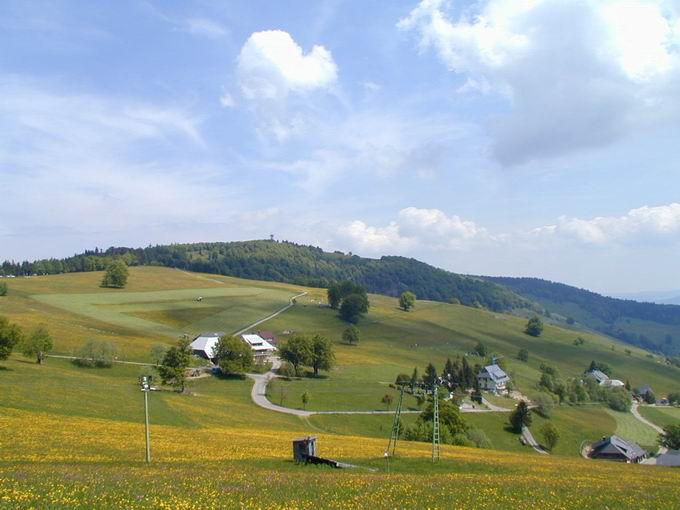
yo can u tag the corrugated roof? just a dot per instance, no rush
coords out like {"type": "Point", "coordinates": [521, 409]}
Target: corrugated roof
{"type": "Point", "coordinates": [496, 373]}
{"type": "Point", "coordinates": [629, 449]}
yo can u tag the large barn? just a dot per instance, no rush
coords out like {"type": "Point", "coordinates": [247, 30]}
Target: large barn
{"type": "Point", "coordinates": [204, 345]}
{"type": "Point", "coordinates": [617, 448]}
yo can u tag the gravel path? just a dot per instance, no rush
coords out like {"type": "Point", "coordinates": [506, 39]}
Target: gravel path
{"type": "Point", "coordinates": [634, 410]}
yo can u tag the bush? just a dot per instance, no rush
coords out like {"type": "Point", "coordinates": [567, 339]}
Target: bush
{"type": "Point", "coordinates": [478, 437]}
{"type": "Point", "coordinates": [619, 400]}
{"type": "Point", "coordinates": [523, 355]}
{"type": "Point", "coordinates": [286, 370]}
{"type": "Point", "coordinates": [95, 354]}
{"type": "Point", "coordinates": [550, 435]}
{"type": "Point", "coordinates": [544, 404]}
{"type": "Point", "coordinates": [534, 327]}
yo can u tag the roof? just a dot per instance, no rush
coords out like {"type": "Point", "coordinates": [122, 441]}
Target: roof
{"type": "Point", "coordinates": [206, 343]}
{"type": "Point", "coordinates": [495, 373]}
{"type": "Point", "coordinates": [257, 343]}
{"type": "Point", "coordinates": [671, 458]}
{"type": "Point", "coordinates": [613, 382]}
{"type": "Point", "coordinates": [597, 374]}
{"type": "Point", "coordinates": [644, 389]}
{"type": "Point", "coordinates": [629, 449]}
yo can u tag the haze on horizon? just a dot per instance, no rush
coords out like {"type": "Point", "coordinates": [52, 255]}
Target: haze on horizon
{"type": "Point", "coordinates": [498, 137]}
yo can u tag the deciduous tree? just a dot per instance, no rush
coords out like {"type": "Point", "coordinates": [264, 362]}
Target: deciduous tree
{"type": "Point", "coordinates": [10, 335]}
{"type": "Point", "coordinates": [297, 351]}
{"type": "Point", "coordinates": [520, 417]}
{"type": "Point", "coordinates": [37, 344]}
{"type": "Point", "coordinates": [534, 327]}
{"type": "Point", "coordinates": [116, 275]}
{"type": "Point", "coordinates": [322, 357]}
{"type": "Point", "coordinates": [407, 300]}
{"type": "Point", "coordinates": [550, 435]}
{"type": "Point", "coordinates": [351, 335]}
{"type": "Point", "coordinates": [174, 365]}
{"type": "Point", "coordinates": [233, 355]}
{"type": "Point", "coordinates": [670, 437]}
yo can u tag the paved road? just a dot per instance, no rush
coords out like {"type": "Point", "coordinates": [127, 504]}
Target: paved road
{"type": "Point", "coordinates": [291, 303]}
{"type": "Point", "coordinates": [636, 413]}
{"type": "Point", "coordinates": [529, 438]}
{"type": "Point", "coordinates": [492, 407]}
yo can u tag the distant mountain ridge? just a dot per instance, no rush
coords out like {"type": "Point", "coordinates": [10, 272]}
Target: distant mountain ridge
{"type": "Point", "coordinates": [650, 325]}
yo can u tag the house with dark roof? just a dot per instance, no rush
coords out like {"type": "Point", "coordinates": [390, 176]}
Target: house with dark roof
{"type": "Point", "coordinates": [492, 378]}
{"type": "Point", "coordinates": [617, 448]}
{"type": "Point", "coordinates": [642, 391]}
{"type": "Point", "coordinates": [598, 375]}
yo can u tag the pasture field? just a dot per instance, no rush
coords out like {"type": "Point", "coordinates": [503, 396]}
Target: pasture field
{"type": "Point", "coordinates": [661, 416]}
{"type": "Point", "coordinates": [73, 437]}
{"type": "Point", "coordinates": [631, 428]}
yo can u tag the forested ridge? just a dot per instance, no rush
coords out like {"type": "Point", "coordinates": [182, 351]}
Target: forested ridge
{"type": "Point", "coordinates": [613, 312]}
{"type": "Point", "coordinates": [293, 263]}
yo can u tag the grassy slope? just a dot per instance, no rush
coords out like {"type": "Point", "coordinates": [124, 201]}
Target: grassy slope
{"type": "Point", "coordinates": [156, 307]}
{"type": "Point", "coordinates": [661, 416]}
{"type": "Point", "coordinates": [81, 430]}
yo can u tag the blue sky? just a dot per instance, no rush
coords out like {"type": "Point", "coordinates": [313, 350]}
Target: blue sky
{"type": "Point", "coordinates": [535, 137]}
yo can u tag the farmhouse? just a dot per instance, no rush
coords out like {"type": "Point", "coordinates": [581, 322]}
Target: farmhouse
{"type": "Point", "coordinates": [492, 378]}
{"type": "Point", "coordinates": [204, 345]}
{"type": "Point", "coordinates": [260, 347]}
{"type": "Point", "coordinates": [613, 383]}
{"type": "Point", "coordinates": [617, 448]}
{"type": "Point", "coordinates": [598, 375]}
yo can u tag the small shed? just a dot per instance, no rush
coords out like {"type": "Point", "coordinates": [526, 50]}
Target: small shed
{"type": "Point", "coordinates": [304, 448]}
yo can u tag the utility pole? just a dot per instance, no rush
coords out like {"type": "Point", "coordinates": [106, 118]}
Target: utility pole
{"type": "Point", "coordinates": [394, 435]}
{"type": "Point", "coordinates": [145, 382]}
{"type": "Point", "coordinates": [436, 441]}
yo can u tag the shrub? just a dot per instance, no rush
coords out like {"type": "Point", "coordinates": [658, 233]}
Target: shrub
{"type": "Point", "coordinates": [95, 354]}
{"type": "Point", "coordinates": [286, 370]}
{"type": "Point", "coordinates": [534, 327]}
{"type": "Point", "coordinates": [619, 400]}
{"type": "Point", "coordinates": [544, 404]}
{"type": "Point", "coordinates": [478, 437]}
{"type": "Point", "coordinates": [550, 435]}
{"type": "Point", "coordinates": [523, 355]}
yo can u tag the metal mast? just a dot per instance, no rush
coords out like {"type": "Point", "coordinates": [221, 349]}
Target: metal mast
{"type": "Point", "coordinates": [436, 441]}
{"type": "Point", "coordinates": [394, 435]}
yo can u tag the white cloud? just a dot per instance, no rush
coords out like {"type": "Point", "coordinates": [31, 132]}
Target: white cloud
{"type": "Point", "coordinates": [227, 100]}
{"type": "Point", "coordinates": [576, 74]}
{"type": "Point", "coordinates": [206, 28]}
{"type": "Point", "coordinates": [271, 65]}
{"type": "Point", "coordinates": [414, 228]}
{"type": "Point", "coordinates": [641, 224]}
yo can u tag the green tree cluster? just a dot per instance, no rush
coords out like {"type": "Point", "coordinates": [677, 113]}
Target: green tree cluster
{"type": "Point", "coordinates": [315, 352]}
{"type": "Point", "coordinates": [233, 355]}
{"type": "Point", "coordinates": [550, 435]}
{"type": "Point", "coordinates": [116, 275]}
{"type": "Point", "coordinates": [351, 299]}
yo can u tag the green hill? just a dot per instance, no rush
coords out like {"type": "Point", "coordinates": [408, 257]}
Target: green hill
{"type": "Point", "coordinates": [648, 325]}
{"type": "Point", "coordinates": [293, 263]}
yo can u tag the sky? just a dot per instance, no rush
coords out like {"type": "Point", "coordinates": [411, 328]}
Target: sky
{"type": "Point", "coordinates": [496, 137]}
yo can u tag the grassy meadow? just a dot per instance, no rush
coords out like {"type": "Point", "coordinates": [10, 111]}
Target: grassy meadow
{"type": "Point", "coordinates": [73, 437]}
